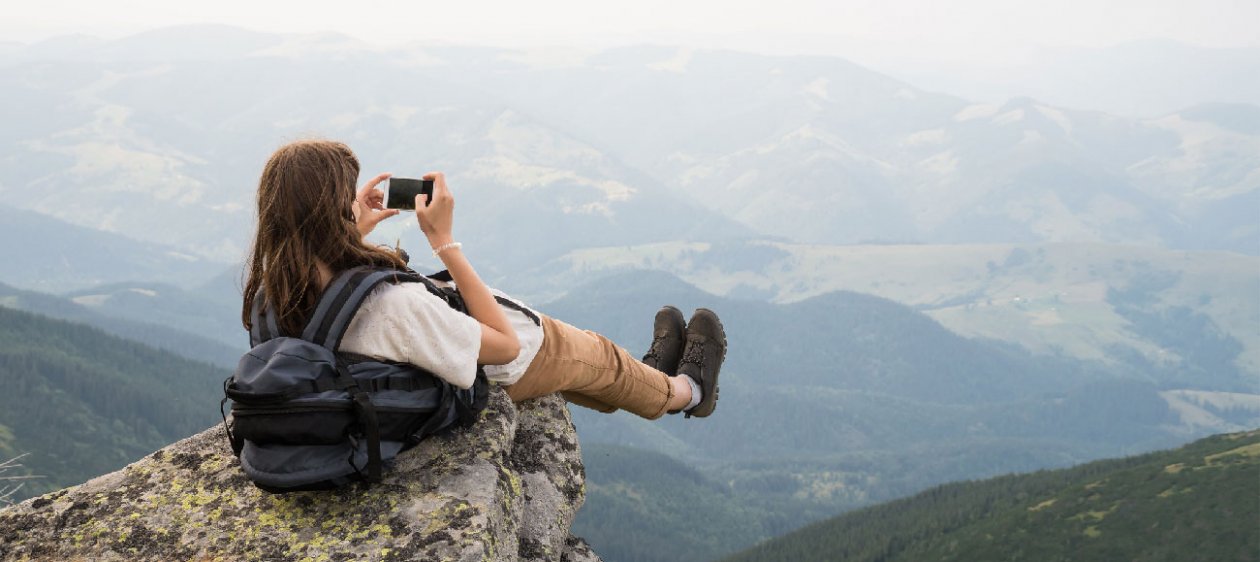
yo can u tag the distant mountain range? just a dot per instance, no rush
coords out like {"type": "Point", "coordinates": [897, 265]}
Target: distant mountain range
{"type": "Point", "coordinates": [42, 253]}
{"type": "Point", "coordinates": [820, 150]}
{"type": "Point", "coordinates": [1183, 318]}
{"type": "Point", "coordinates": [1197, 502]}
{"type": "Point", "coordinates": [1146, 78]}
{"type": "Point", "coordinates": [160, 137]}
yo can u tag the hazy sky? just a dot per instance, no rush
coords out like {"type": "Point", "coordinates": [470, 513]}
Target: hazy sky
{"type": "Point", "coordinates": [976, 30]}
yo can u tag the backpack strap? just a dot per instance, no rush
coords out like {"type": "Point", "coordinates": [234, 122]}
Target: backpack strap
{"type": "Point", "coordinates": [509, 303]}
{"type": "Point", "coordinates": [438, 418]}
{"type": "Point", "coordinates": [365, 411]}
{"type": "Point", "coordinates": [445, 277]}
{"type": "Point", "coordinates": [236, 442]}
{"type": "Point", "coordinates": [262, 321]}
{"type": "Point", "coordinates": [336, 308]}
{"type": "Point", "coordinates": [341, 300]}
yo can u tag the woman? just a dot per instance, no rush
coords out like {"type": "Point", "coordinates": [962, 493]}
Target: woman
{"type": "Point", "coordinates": [311, 224]}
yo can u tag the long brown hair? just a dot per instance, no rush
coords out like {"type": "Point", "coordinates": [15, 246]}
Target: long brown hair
{"type": "Point", "coordinates": [305, 200]}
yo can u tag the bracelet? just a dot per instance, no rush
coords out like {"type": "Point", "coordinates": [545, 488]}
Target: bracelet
{"type": "Point", "coordinates": [445, 247]}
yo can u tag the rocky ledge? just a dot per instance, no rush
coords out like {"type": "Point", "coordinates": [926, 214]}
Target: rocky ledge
{"type": "Point", "coordinates": [505, 489]}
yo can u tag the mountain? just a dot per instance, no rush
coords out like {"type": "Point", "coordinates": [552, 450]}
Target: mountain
{"type": "Point", "coordinates": [824, 151]}
{"type": "Point", "coordinates": [842, 400]}
{"type": "Point", "coordinates": [185, 310]}
{"type": "Point", "coordinates": [880, 373]}
{"type": "Point", "coordinates": [81, 402]}
{"type": "Point", "coordinates": [1192, 503]}
{"type": "Point", "coordinates": [1184, 319]}
{"type": "Point", "coordinates": [182, 142]}
{"type": "Point", "coordinates": [160, 331]}
{"type": "Point", "coordinates": [49, 255]}
{"type": "Point", "coordinates": [161, 138]}
{"type": "Point", "coordinates": [1139, 79]}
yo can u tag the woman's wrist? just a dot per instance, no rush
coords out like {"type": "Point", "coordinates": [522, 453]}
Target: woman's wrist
{"type": "Point", "coordinates": [449, 246]}
{"type": "Point", "coordinates": [437, 241]}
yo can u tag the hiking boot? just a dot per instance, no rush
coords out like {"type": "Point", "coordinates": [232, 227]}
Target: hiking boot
{"type": "Point", "coordinates": [702, 358]}
{"type": "Point", "coordinates": [668, 333]}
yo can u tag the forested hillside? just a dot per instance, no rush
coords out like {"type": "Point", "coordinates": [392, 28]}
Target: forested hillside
{"type": "Point", "coordinates": [642, 506]}
{"type": "Point", "coordinates": [80, 402]}
{"type": "Point", "coordinates": [1198, 502]}
{"type": "Point", "coordinates": [831, 404]}
{"type": "Point", "coordinates": [142, 317]}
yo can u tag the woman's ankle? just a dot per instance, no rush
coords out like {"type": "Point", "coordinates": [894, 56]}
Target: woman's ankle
{"type": "Point", "coordinates": [681, 395]}
{"type": "Point", "coordinates": [686, 393]}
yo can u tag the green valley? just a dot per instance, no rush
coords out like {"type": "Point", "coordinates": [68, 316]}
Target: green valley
{"type": "Point", "coordinates": [1198, 502]}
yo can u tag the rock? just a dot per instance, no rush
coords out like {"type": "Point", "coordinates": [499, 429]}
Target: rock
{"type": "Point", "coordinates": [505, 489]}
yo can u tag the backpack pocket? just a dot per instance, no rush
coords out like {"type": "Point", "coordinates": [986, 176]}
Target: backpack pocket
{"type": "Point", "coordinates": [405, 398]}
{"type": "Point", "coordinates": [285, 391]}
{"type": "Point", "coordinates": [320, 420]}
{"type": "Point", "coordinates": [283, 410]}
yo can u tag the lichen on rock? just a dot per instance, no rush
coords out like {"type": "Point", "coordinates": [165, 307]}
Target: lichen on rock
{"type": "Point", "coordinates": [505, 489]}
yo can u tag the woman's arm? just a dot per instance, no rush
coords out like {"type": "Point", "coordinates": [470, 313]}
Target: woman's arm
{"type": "Point", "coordinates": [499, 344]}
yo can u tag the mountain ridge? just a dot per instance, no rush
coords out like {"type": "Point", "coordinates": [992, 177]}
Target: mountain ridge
{"type": "Point", "coordinates": [1104, 510]}
{"type": "Point", "coordinates": [1069, 299]}
{"type": "Point", "coordinates": [47, 254]}
{"type": "Point", "coordinates": [816, 134]}
{"type": "Point", "coordinates": [185, 342]}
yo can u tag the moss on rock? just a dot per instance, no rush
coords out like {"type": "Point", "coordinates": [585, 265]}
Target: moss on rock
{"type": "Point", "coordinates": [505, 489]}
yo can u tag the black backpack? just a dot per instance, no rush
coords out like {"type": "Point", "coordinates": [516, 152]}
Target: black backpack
{"type": "Point", "coordinates": [308, 417]}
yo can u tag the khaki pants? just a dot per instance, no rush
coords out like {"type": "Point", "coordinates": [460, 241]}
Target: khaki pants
{"type": "Point", "coordinates": [590, 370]}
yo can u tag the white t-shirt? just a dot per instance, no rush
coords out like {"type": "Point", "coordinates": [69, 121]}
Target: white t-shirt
{"type": "Point", "coordinates": [408, 324]}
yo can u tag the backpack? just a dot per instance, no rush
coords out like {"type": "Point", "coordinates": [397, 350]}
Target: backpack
{"type": "Point", "coordinates": [306, 416]}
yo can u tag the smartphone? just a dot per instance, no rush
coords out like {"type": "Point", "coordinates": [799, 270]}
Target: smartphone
{"type": "Point", "coordinates": [401, 193]}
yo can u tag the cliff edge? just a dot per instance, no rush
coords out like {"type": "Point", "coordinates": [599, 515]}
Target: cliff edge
{"type": "Point", "coordinates": [505, 489]}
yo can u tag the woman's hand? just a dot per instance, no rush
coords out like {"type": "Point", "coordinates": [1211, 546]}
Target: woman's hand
{"type": "Point", "coordinates": [438, 215]}
{"type": "Point", "coordinates": [370, 206]}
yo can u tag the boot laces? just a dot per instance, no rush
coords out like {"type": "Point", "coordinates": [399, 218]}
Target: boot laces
{"type": "Point", "coordinates": [654, 351]}
{"type": "Point", "coordinates": [693, 353]}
